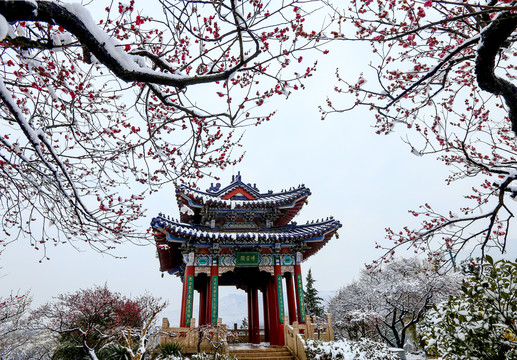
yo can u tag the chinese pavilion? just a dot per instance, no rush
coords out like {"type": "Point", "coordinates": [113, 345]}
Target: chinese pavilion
{"type": "Point", "coordinates": [240, 237]}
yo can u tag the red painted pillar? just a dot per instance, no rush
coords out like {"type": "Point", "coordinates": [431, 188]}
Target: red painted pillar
{"type": "Point", "coordinates": [207, 300]}
{"type": "Point", "coordinates": [255, 329]}
{"type": "Point", "coordinates": [280, 301]}
{"type": "Point", "coordinates": [202, 305]}
{"type": "Point", "coordinates": [183, 300]}
{"type": "Point", "coordinates": [213, 300]}
{"type": "Point", "coordinates": [289, 287]}
{"type": "Point", "coordinates": [272, 311]}
{"type": "Point", "coordinates": [250, 316]}
{"type": "Point", "coordinates": [266, 314]}
{"type": "Point", "coordinates": [188, 293]}
{"type": "Point", "coordinates": [299, 289]}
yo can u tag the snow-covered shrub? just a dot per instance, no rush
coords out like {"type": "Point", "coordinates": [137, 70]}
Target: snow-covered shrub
{"type": "Point", "coordinates": [167, 351]}
{"type": "Point", "coordinates": [174, 357]}
{"type": "Point", "coordinates": [481, 323]}
{"type": "Point", "coordinates": [348, 350]}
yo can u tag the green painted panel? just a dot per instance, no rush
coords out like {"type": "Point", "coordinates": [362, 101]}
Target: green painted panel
{"type": "Point", "coordinates": [215, 297]}
{"type": "Point", "coordinates": [299, 284]}
{"type": "Point", "coordinates": [247, 259]}
{"type": "Point", "coordinates": [280, 293]}
{"type": "Point", "coordinates": [190, 299]}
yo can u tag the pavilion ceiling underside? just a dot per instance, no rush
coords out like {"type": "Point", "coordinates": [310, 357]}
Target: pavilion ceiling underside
{"type": "Point", "coordinates": [179, 232]}
{"type": "Point", "coordinates": [169, 255]}
{"type": "Point", "coordinates": [289, 213]}
{"type": "Point", "coordinates": [314, 247]}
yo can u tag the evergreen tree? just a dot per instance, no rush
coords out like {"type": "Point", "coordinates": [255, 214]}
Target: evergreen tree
{"type": "Point", "coordinates": [313, 302]}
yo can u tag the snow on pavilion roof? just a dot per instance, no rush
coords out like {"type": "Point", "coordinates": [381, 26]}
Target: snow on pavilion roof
{"type": "Point", "coordinates": [172, 235]}
{"type": "Point", "coordinates": [239, 195]}
{"type": "Point", "coordinates": [238, 217]}
{"type": "Point", "coordinates": [238, 200]}
{"type": "Point", "coordinates": [179, 232]}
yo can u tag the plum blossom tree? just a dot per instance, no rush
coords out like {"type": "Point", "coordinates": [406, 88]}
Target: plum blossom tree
{"type": "Point", "coordinates": [88, 321]}
{"type": "Point", "coordinates": [140, 341]}
{"type": "Point", "coordinates": [385, 305]}
{"type": "Point", "coordinates": [445, 71]}
{"type": "Point", "coordinates": [93, 103]}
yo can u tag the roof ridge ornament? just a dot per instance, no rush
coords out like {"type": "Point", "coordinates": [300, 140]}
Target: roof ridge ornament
{"type": "Point", "coordinates": [237, 178]}
{"type": "Point", "coordinates": [214, 189]}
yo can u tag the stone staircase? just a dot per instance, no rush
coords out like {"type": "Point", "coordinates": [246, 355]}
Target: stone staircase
{"type": "Point", "coordinates": [262, 353]}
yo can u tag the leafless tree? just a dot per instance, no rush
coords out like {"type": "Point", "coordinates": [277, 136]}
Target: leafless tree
{"type": "Point", "coordinates": [385, 305]}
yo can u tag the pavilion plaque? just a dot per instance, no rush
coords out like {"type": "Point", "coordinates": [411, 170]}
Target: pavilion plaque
{"type": "Point", "coordinates": [247, 259]}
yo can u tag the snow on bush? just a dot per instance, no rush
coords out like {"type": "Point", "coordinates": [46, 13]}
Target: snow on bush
{"type": "Point", "coordinates": [480, 324]}
{"type": "Point", "coordinates": [349, 350]}
{"type": "Point", "coordinates": [202, 356]}
{"type": "Point", "coordinates": [205, 356]}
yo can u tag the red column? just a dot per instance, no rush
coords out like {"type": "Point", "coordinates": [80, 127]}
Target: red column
{"type": "Point", "coordinates": [207, 300]}
{"type": "Point", "coordinates": [299, 289]}
{"type": "Point", "coordinates": [266, 314]}
{"type": "Point", "coordinates": [188, 293]}
{"type": "Point", "coordinates": [280, 301]}
{"type": "Point", "coordinates": [202, 305]}
{"type": "Point", "coordinates": [183, 300]}
{"type": "Point", "coordinates": [272, 311]}
{"type": "Point", "coordinates": [255, 328]}
{"type": "Point", "coordinates": [250, 316]}
{"type": "Point", "coordinates": [289, 287]}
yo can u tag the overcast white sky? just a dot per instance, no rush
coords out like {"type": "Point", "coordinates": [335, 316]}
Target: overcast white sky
{"type": "Point", "coordinates": [366, 181]}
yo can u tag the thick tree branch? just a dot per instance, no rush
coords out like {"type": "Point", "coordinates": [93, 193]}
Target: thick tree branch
{"type": "Point", "coordinates": [493, 39]}
{"type": "Point", "coordinates": [99, 44]}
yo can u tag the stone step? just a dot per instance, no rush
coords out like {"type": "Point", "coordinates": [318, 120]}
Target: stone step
{"type": "Point", "coordinates": [269, 353]}
{"type": "Point", "coordinates": [268, 350]}
{"type": "Point", "coordinates": [262, 356]}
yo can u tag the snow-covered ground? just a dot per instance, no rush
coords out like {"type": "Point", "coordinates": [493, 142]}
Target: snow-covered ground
{"type": "Point", "coordinates": [416, 357]}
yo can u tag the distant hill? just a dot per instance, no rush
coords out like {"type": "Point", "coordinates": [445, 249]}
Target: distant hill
{"type": "Point", "coordinates": [234, 307]}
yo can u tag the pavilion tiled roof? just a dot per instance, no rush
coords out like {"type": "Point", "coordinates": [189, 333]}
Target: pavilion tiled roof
{"type": "Point", "coordinates": [291, 233]}
{"type": "Point", "coordinates": [238, 216]}
{"type": "Point", "coordinates": [170, 235]}
{"type": "Point", "coordinates": [239, 195]}
{"type": "Point", "coordinates": [268, 199]}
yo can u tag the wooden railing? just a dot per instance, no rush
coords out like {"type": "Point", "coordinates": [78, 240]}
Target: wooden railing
{"type": "Point", "coordinates": [294, 340]}
{"type": "Point", "coordinates": [242, 335]}
{"type": "Point", "coordinates": [297, 334]}
{"type": "Point", "coordinates": [318, 330]}
{"type": "Point", "coordinates": [189, 337]}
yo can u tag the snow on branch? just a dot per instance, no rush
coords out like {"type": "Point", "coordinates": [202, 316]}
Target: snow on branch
{"type": "Point", "coordinates": [78, 21]}
{"type": "Point", "coordinates": [98, 114]}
